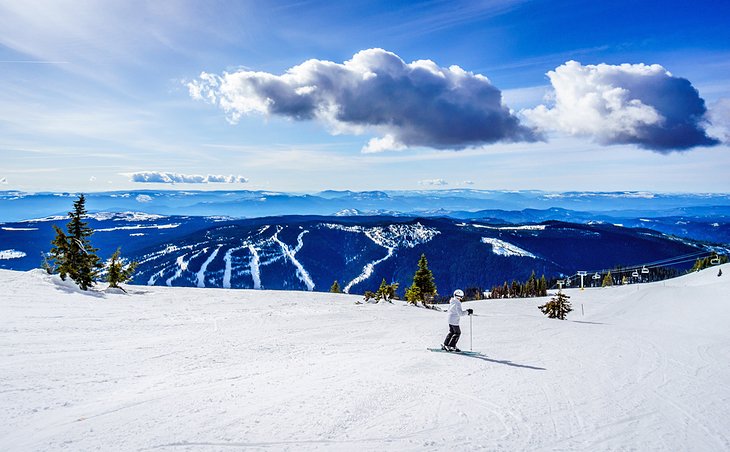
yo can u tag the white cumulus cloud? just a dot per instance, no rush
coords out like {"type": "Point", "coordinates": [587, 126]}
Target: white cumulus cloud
{"type": "Point", "coordinates": [407, 104]}
{"type": "Point", "coordinates": [143, 198]}
{"type": "Point", "coordinates": [433, 182]}
{"type": "Point", "coordinates": [176, 178]}
{"type": "Point", "coordinates": [719, 118]}
{"type": "Point", "coordinates": [620, 104]}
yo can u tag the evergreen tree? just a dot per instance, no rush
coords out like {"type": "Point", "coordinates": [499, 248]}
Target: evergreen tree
{"type": "Point", "coordinates": [369, 295]}
{"type": "Point", "coordinates": [118, 271]}
{"type": "Point", "coordinates": [607, 280]}
{"type": "Point", "coordinates": [413, 295]}
{"type": "Point", "coordinates": [424, 282]}
{"type": "Point", "coordinates": [529, 286]}
{"type": "Point", "coordinates": [558, 307]}
{"type": "Point", "coordinates": [542, 286]}
{"type": "Point", "coordinates": [386, 291]}
{"type": "Point", "coordinates": [72, 253]}
{"type": "Point", "coordinates": [335, 287]}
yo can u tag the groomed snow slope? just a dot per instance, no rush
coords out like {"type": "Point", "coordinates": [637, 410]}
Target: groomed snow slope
{"type": "Point", "coordinates": [646, 368]}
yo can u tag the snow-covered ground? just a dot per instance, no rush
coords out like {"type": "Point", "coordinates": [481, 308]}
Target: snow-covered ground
{"type": "Point", "coordinates": [646, 368]}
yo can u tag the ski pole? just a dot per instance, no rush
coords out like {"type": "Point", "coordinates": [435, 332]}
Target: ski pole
{"type": "Point", "coordinates": [471, 339]}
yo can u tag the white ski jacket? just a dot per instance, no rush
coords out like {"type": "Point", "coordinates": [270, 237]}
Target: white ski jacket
{"type": "Point", "coordinates": [455, 311]}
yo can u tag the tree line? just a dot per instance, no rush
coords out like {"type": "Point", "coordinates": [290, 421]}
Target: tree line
{"type": "Point", "coordinates": [533, 287]}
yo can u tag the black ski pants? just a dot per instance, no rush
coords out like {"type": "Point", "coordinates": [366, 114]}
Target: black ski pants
{"type": "Point", "coordinates": [453, 337]}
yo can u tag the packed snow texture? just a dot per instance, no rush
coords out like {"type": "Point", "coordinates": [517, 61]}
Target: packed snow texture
{"type": "Point", "coordinates": [646, 368]}
{"type": "Point", "coordinates": [506, 249]}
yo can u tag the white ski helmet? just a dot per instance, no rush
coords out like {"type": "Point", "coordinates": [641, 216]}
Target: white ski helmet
{"type": "Point", "coordinates": [459, 293]}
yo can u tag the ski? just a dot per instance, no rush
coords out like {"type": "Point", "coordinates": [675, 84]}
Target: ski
{"type": "Point", "coordinates": [467, 353]}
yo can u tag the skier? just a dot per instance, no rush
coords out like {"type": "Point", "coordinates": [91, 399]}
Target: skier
{"type": "Point", "coordinates": [455, 312]}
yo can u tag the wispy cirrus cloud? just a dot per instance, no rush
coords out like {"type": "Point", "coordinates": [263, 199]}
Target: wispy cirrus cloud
{"type": "Point", "coordinates": [407, 104]}
{"type": "Point", "coordinates": [159, 177]}
{"type": "Point", "coordinates": [636, 104]}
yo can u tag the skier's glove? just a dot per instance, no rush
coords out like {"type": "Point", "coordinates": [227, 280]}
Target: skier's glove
{"type": "Point", "coordinates": [470, 311]}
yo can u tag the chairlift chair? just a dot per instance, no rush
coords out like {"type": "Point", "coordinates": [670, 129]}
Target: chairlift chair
{"type": "Point", "coordinates": [644, 270]}
{"type": "Point", "coordinates": [596, 276]}
{"type": "Point", "coordinates": [715, 260]}
{"type": "Point", "coordinates": [635, 274]}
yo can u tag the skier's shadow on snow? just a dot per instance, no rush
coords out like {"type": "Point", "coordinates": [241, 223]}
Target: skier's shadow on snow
{"type": "Point", "coordinates": [505, 362]}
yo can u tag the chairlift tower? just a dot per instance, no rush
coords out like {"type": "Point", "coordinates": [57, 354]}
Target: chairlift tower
{"type": "Point", "coordinates": [582, 274]}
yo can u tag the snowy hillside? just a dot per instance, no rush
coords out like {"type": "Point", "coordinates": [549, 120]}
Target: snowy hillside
{"type": "Point", "coordinates": [309, 253]}
{"type": "Point", "coordinates": [646, 368]}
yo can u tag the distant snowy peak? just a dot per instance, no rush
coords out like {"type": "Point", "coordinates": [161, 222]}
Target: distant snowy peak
{"type": "Point", "coordinates": [348, 213]}
{"type": "Point", "coordinates": [104, 216]}
{"type": "Point", "coordinates": [125, 216]}
{"type": "Point", "coordinates": [618, 194]}
{"type": "Point", "coordinates": [525, 227]}
{"type": "Point", "coordinates": [393, 235]}
{"type": "Point", "coordinates": [503, 248]}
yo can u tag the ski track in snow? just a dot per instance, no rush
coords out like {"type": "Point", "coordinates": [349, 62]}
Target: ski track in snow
{"type": "Point", "coordinates": [155, 276]}
{"type": "Point", "coordinates": [255, 267]}
{"type": "Point", "coordinates": [204, 267]}
{"type": "Point", "coordinates": [302, 274]}
{"type": "Point", "coordinates": [367, 271]}
{"type": "Point", "coordinates": [300, 242]}
{"type": "Point", "coordinates": [229, 270]}
{"type": "Point", "coordinates": [182, 266]}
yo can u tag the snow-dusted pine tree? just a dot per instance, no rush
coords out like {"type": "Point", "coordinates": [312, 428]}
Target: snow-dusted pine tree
{"type": "Point", "coordinates": [558, 306]}
{"type": "Point", "coordinates": [119, 271]}
{"type": "Point", "coordinates": [424, 283]}
{"type": "Point", "coordinates": [72, 253]}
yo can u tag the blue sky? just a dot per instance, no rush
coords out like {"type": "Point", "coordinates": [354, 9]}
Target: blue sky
{"type": "Point", "coordinates": [107, 95]}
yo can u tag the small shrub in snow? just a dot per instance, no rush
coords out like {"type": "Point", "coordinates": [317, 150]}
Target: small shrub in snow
{"type": "Point", "coordinates": [335, 287]}
{"type": "Point", "coordinates": [386, 292]}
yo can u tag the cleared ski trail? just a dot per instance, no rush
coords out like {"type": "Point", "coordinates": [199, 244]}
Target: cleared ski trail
{"type": "Point", "coordinates": [211, 369]}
